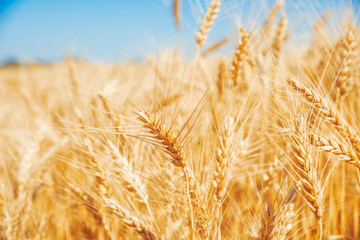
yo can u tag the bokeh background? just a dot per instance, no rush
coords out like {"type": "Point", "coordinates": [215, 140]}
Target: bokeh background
{"type": "Point", "coordinates": [113, 31]}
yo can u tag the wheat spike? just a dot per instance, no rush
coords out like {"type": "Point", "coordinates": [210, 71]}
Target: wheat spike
{"type": "Point", "coordinates": [131, 180]}
{"type": "Point", "coordinates": [131, 221]}
{"type": "Point", "coordinates": [240, 56]}
{"type": "Point", "coordinates": [271, 16]}
{"type": "Point", "coordinates": [284, 221]}
{"type": "Point", "coordinates": [224, 158]}
{"type": "Point", "coordinates": [177, 13]}
{"type": "Point", "coordinates": [279, 38]}
{"type": "Point", "coordinates": [347, 55]}
{"type": "Point", "coordinates": [328, 112]}
{"type": "Point", "coordinates": [335, 147]}
{"type": "Point", "coordinates": [88, 200]}
{"type": "Point", "coordinates": [268, 224]}
{"type": "Point", "coordinates": [310, 184]}
{"type": "Point", "coordinates": [104, 191]}
{"type": "Point", "coordinates": [171, 144]}
{"type": "Point", "coordinates": [207, 22]}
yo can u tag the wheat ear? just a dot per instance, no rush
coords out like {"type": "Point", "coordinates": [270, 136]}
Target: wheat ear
{"type": "Point", "coordinates": [88, 200]}
{"type": "Point", "coordinates": [276, 224]}
{"type": "Point", "coordinates": [279, 38]}
{"type": "Point", "coordinates": [224, 158]}
{"type": "Point", "coordinates": [271, 16]}
{"type": "Point", "coordinates": [131, 221]}
{"type": "Point", "coordinates": [240, 56]}
{"type": "Point", "coordinates": [309, 182]}
{"type": "Point", "coordinates": [328, 112]}
{"type": "Point", "coordinates": [125, 216]}
{"type": "Point", "coordinates": [171, 144]}
{"type": "Point", "coordinates": [348, 56]}
{"type": "Point", "coordinates": [131, 181]}
{"type": "Point", "coordinates": [336, 148]}
{"type": "Point", "coordinates": [206, 23]}
{"type": "Point", "coordinates": [284, 221]}
{"type": "Point", "coordinates": [268, 224]}
{"type": "Point", "coordinates": [177, 13]}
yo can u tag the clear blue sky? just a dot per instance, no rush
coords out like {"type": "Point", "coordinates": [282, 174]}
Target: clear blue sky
{"type": "Point", "coordinates": [111, 30]}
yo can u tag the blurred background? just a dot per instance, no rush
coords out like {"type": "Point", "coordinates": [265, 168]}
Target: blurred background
{"type": "Point", "coordinates": [113, 31]}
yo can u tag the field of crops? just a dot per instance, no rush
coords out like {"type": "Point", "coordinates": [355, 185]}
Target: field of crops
{"type": "Point", "coordinates": [263, 143]}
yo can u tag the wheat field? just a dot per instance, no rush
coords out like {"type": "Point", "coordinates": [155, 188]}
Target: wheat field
{"type": "Point", "coordinates": [262, 143]}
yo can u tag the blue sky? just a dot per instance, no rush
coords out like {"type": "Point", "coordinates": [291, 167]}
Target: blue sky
{"type": "Point", "coordinates": [110, 30]}
{"type": "Point", "coordinates": [94, 29]}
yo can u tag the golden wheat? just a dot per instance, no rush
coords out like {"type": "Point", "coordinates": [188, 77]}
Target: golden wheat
{"type": "Point", "coordinates": [252, 152]}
